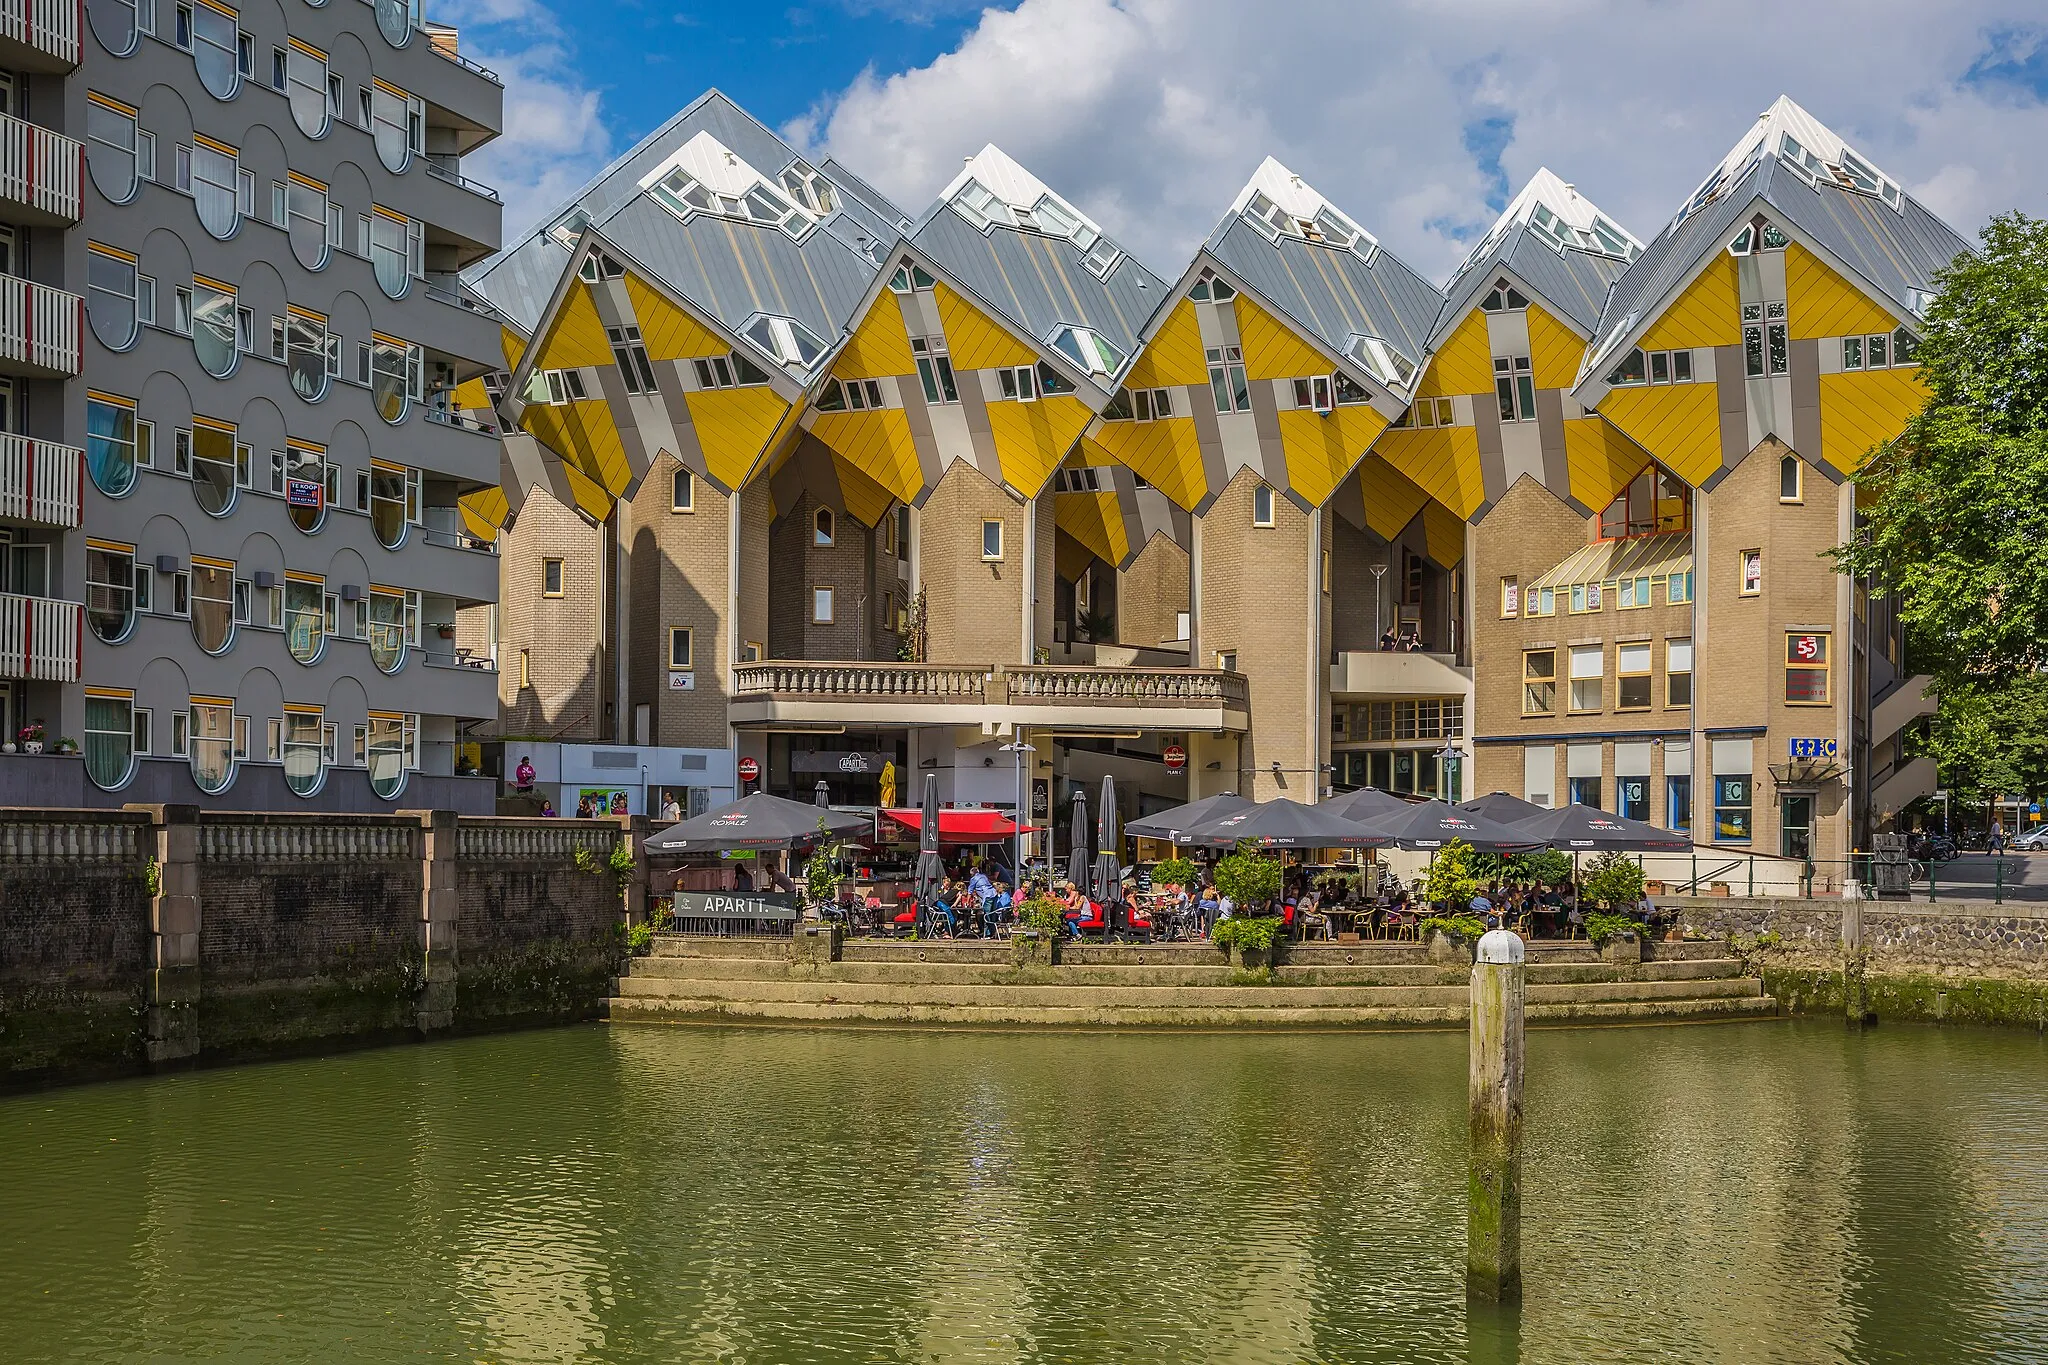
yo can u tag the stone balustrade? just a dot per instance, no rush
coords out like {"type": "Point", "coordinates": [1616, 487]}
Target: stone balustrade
{"type": "Point", "coordinates": [1037, 685]}
{"type": "Point", "coordinates": [331, 839]}
{"type": "Point", "coordinates": [1066, 686]}
{"type": "Point", "coordinates": [907, 682]}
{"type": "Point", "coordinates": [516, 840]}
{"type": "Point", "coordinates": [72, 837]}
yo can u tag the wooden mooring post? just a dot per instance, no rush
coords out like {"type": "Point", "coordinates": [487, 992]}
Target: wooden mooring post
{"type": "Point", "coordinates": [1855, 958]}
{"type": "Point", "coordinates": [1493, 1218]}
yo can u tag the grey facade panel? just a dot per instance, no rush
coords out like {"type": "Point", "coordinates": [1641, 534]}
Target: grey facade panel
{"type": "Point", "coordinates": [1333, 294]}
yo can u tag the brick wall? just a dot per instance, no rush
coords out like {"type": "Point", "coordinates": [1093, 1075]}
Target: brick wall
{"type": "Point", "coordinates": [558, 635]}
{"type": "Point", "coordinates": [974, 607]}
{"type": "Point", "coordinates": [1254, 603]}
{"type": "Point", "coordinates": [535, 930]}
{"type": "Point", "coordinates": [1152, 593]}
{"type": "Point", "coordinates": [681, 571]}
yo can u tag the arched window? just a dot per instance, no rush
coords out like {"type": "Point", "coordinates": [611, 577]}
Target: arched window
{"type": "Point", "coordinates": [1791, 480]}
{"type": "Point", "coordinates": [109, 738]}
{"type": "Point", "coordinates": [109, 591]}
{"type": "Point", "coordinates": [821, 527]}
{"type": "Point", "coordinates": [305, 755]}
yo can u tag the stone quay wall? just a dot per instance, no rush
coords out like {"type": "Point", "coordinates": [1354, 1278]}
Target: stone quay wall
{"type": "Point", "coordinates": [1944, 961]}
{"type": "Point", "coordinates": [158, 935]}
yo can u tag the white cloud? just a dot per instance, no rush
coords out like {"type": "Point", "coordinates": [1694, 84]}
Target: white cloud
{"type": "Point", "coordinates": [1150, 114]}
{"type": "Point", "coordinates": [555, 136]}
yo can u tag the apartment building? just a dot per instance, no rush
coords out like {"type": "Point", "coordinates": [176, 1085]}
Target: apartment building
{"type": "Point", "coordinates": [230, 469]}
{"type": "Point", "coordinates": [857, 495]}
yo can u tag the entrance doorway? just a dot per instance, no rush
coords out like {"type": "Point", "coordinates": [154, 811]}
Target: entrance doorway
{"type": "Point", "coordinates": [1795, 825]}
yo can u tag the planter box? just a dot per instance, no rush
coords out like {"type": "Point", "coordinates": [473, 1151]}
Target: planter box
{"type": "Point", "coordinates": [1447, 951]}
{"type": "Point", "coordinates": [1653, 888]}
{"type": "Point", "coordinates": [1031, 948]}
{"type": "Point", "coordinates": [1254, 959]}
{"type": "Point", "coordinates": [1622, 950]}
{"type": "Point", "coordinates": [1717, 888]}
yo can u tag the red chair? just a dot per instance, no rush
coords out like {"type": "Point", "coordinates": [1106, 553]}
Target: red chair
{"type": "Point", "coordinates": [906, 919]}
{"type": "Point", "coordinates": [1138, 925]}
{"type": "Point", "coordinates": [1095, 924]}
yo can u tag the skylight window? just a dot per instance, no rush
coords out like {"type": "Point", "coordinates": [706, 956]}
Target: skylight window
{"type": "Point", "coordinates": [569, 227]}
{"type": "Point", "coordinates": [981, 206]}
{"type": "Point", "coordinates": [788, 340]}
{"type": "Point", "coordinates": [1385, 363]}
{"type": "Point", "coordinates": [1103, 258]}
{"type": "Point", "coordinates": [1087, 350]}
{"type": "Point", "coordinates": [806, 187]}
{"type": "Point", "coordinates": [1056, 218]}
{"type": "Point", "coordinates": [1852, 172]}
{"type": "Point", "coordinates": [1269, 218]}
{"type": "Point", "coordinates": [683, 195]}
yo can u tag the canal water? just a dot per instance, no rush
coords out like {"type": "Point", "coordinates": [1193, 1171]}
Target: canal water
{"type": "Point", "coordinates": [1754, 1192]}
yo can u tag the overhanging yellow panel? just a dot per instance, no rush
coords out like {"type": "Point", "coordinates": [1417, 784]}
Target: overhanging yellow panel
{"type": "Point", "coordinates": [1096, 521]}
{"type": "Point", "coordinates": [1070, 557]}
{"type": "Point", "coordinates": [1707, 313]}
{"type": "Point", "coordinates": [1032, 438]}
{"type": "Point", "coordinates": [1859, 412]}
{"type": "Point", "coordinates": [865, 500]}
{"type": "Point", "coordinates": [1391, 497]}
{"type": "Point", "coordinates": [1679, 424]}
{"type": "Point", "coordinates": [668, 331]}
{"type": "Point", "coordinates": [1554, 350]}
{"type": "Point", "coordinates": [575, 337]}
{"type": "Point", "coordinates": [974, 342]}
{"type": "Point", "coordinates": [879, 347]}
{"type": "Point", "coordinates": [1820, 303]}
{"type": "Point", "coordinates": [1174, 354]}
{"type": "Point", "coordinates": [586, 438]}
{"type": "Point", "coordinates": [733, 427]}
{"type": "Point", "coordinates": [1464, 363]}
{"type": "Point", "coordinates": [1443, 462]}
{"type": "Point", "coordinates": [1599, 460]}
{"type": "Point", "coordinates": [513, 345]}
{"type": "Point", "coordinates": [470, 396]}
{"type": "Point", "coordinates": [1167, 455]}
{"type": "Point", "coordinates": [1443, 534]}
{"type": "Point", "coordinates": [878, 444]}
{"type": "Point", "coordinates": [585, 494]}
{"type": "Point", "coordinates": [1273, 350]}
{"type": "Point", "coordinates": [1322, 448]}
{"type": "Point", "coordinates": [483, 512]}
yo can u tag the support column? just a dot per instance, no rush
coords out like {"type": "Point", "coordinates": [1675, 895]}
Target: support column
{"type": "Point", "coordinates": [1855, 958]}
{"type": "Point", "coordinates": [1493, 1219]}
{"type": "Point", "coordinates": [440, 907]}
{"type": "Point", "coordinates": [174, 919]}
{"type": "Point", "coordinates": [635, 890]}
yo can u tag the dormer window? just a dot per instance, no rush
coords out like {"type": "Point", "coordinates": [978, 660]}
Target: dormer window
{"type": "Point", "coordinates": [981, 206]}
{"type": "Point", "coordinates": [1211, 286]}
{"type": "Point", "coordinates": [788, 340]}
{"type": "Point", "coordinates": [911, 279]}
{"type": "Point", "coordinates": [683, 195]}
{"type": "Point", "coordinates": [1087, 350]}
{"type": "Point", "coordinates": [569, 227]}
{"type": "Point", "coordinates": [806, 187]}
{"type": "Point", "coordinates": [1759, 235]}
{"type": "Point", "coordinates": [1503, 298]}
{"type": "Point", "coordinates": [1269, 218]}
{"type": "Point", "coordinates": [1850, 172]}
{"type": "Point", "coordinates": [1385, 363]}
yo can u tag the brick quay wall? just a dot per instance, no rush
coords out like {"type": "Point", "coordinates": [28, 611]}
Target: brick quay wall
{"type": "Point", "coordinates": [1939, 962]}
{"type": "Point", "coordinates": [166, 935]}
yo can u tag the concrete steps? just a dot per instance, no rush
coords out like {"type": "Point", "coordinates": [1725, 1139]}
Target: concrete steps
{"type": "Point", "coordinates": [972, 984]}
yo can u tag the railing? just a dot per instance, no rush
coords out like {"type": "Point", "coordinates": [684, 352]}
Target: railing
{"type": "Point", "coordinates": [455, 298]}
{"type": "Point", "coordinates": [40, 168]}
{"type": "Point", "coordinates": [46, 25]}
{"type": "Point", "coordinates": [451, 417]}
{"type": "Point", "coordinates": [442, 40]}
{"type": "Point", "coordinates": [231, 841]}
{"type": "Point", "coordinates": [925, 682]}
{"type": "Point", "coordinates": [40, 638]}
{"type": "Point", "coordinates": [1043, 685]}
{"type": "Point", "coordinates": [458, 540]}
{"type": "Point", "coordinates": [457, 658]}
{"type": "Point", "coordinates": [91, 838]}
{"type": "Point", "coordinates": [39, 325]}
{"type": "Point", "coordinates": [461, 181]}
{"type": "Point", "coordinates": [537, 840]}
{"type": "Point", "coordinates": [41, 481]}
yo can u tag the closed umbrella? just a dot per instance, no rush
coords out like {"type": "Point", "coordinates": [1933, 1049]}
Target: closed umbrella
{"type": "Point", "coordinates": [1109, 874]}
{"type": "Point", "coordinates": [1285, 824]}
{"type": "Point", "coordinates": [1434, 824]}
{"type": "Point", "coordinates": [1508, 810]}
{"type": "Point", "coordinates": [1078, 859]}
{"type": "Point", "coordinates": [930, 870]}
{"type": "Point", "coordinates": [823, 797]}
{"type": "Point", "coordinates": [1175, 823]}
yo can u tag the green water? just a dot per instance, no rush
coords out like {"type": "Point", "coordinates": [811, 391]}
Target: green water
{"type": "Point", "coordinates": [1765, 1192]}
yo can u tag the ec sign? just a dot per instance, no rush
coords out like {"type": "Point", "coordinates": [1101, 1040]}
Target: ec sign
{"type": "Point", "coordinates": [1813, 748]}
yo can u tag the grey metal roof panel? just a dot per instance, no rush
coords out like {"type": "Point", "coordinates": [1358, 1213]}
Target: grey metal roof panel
{"type": "Point", "coordinates": [1038, 281]}
{"type": "Point", "coordinates": [1895, 251]}
{"type": "Point", "coordinates": [1333, 293]}
{"type": "Point", "coordinates": [878, 206]}
{"type": "Point", "coordinates": [732, 270]}
{"type": "Point", "coordinates": [1674, 252]}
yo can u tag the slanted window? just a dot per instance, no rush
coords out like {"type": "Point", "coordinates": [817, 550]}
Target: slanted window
{"type": "Point", "coordinates": [1020, 382]}
{"type": "Point", "coordinates": [912, 279]}
{"type": "Point", "coordinates": [682, 491]}
{"type": "Point", "coordinates": [935, 370]}
{"type": "Point", "coordinates": [1515, 387]}
{"type": "Point", "coordinates": [1227, 382]}
{"type": "Point", "coordinates": [856, 395]}
{"type": "Point", "coordinates": [1088, 350]}
{"type": "Point", "coordinates": [1655, 502]}
{"type": "Point", "coordinates": [1151, 405]}
{"type": "Point", "coordinates": [1776, 345]}
{"type": "Point", "coordinates": [1211, 287]}
{"type": "Point", "coordinates": [786, 339]}
{"type": "Point", "coordinates": [727, 371]}
{"type": "Point", "coordinates": [822, 527]}
{"type": "Point", "coordinates": [1504, 297]}
{"type": "Point", "coordinates": [635, 369]}
{"type": "Point", "coordinates": [991, 540]}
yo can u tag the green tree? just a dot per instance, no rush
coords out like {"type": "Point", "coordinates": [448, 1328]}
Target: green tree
{"type": "Point", "coordinates": [1955, 523]}
{"type": "Point", "coordinates": [1249, 878]}
{"type": "Point", "coordinates": [1990, 736]}
{"type": "Point", "coordinates": [1450, 881]}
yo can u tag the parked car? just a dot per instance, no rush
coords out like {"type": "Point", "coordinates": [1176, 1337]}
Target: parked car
{"type": "Point", "coordinates": [2032, 837]}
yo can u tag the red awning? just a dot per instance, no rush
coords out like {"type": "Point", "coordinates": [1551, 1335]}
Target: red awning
{"type": "Point", "coordinates": [961, 826]}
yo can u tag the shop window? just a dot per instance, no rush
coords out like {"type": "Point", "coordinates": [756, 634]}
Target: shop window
{"type": "Point", "coordinates": [1539, 682]}
{"type": "Point", "coordinates": [1806, 668]}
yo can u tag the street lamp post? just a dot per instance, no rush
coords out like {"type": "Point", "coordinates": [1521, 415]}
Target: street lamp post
{"type": "Point", "coordinates": [1017, 749]}
{"type": "Point", "coordinates": [1452, 759]}
{"type": "Point", "coordinates": [1379, 573]}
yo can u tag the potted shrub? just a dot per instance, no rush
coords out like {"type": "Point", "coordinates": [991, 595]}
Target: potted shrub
{"type": "Point", "coordinates": [1616, 936]}
{"type": "Point", "coordinates": [1449, 885]}
{"type": "Point", "coordinates": [1251, 880]}
{"type": "Point", "coordinates": [31, 737]}
{"type": "Point", "coordinates": [1451, 937]}
{"type": "Point", "coordinates": [66, 745]}
{"type": "Point", "coordinates": [1035, 940]}
{"type": "Point", "coordinates": [1173, 872]}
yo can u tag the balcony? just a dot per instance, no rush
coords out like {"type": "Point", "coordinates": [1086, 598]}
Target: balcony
{"type": "Point", "coordinates": [988, 696]}
{"type": "Point", "coordinates": [39, 329]}
{"type": "Point", "coordinates": [40, 35]}
{"type": "Point", "coordinates": [41, 481]}
{"type": "Point", "coordinates": [1396, 674]}
{"type": "Point", "coordinates": [40, 172]}
{"type": "Point", "coordinates": [40, 638]}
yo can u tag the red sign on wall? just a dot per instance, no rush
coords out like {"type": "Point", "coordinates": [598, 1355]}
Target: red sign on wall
{"type": "Point", "coordinates": [749, 770]}
{"type": "Point", "coordinates": [1176, 758]}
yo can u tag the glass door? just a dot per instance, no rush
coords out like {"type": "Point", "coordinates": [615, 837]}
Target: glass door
{"type": "Point", "coordinates": [1795, 825]}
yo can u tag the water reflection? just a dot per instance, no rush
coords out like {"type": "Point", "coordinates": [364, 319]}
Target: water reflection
{"type": "Point", "coordinates": [1755, 1192]}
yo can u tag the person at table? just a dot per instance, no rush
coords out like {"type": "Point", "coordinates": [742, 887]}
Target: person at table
{"type": "Point", "coordinates": [1206, 909]}
{"type": "Point", "coordinates": [1482, 906]}
{"type": "Point", "coordinates": [980, 884]}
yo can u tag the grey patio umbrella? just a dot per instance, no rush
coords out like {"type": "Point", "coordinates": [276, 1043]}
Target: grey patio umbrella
{"type": "Point", "coordinates": [1434, 824]}
{"type": "Point", "coordinates": [931, 871]}
{"type": "Point", "coordinates": [756, 821]}
{"type": "Point", "coordinates": [1285, 824]}
{"type": "Point", "coordinates": [1078, 858]}
{"type": "Point", "coordinates": [1588, 829]}
{"type": "Point", "coordinates": [1108, 884]}
{"type": "Point", "coordinates": [1175, 823]}
{"type": "Point", "coordinates": [1366, 804]}
{"type": "Point", "coordinates": [1508, 810]}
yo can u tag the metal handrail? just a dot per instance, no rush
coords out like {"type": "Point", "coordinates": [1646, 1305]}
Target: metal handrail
{"type": "Point", "coordinates": [458, 540]}
{"type": "Point", "coordinates": [461, 181]}
{"type": "Point", "coordinates": [450, 417]}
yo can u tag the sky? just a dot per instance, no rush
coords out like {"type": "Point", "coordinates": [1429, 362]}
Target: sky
{"type": "Point", "coordinates": [1418, 118]}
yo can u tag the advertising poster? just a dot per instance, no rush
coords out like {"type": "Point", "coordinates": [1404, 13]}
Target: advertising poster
{"type": "Point", "coordinates": [600, 801]}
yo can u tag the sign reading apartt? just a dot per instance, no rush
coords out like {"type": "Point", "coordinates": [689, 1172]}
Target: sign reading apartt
{"type": "Point", "coordinates": [744, 905]}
